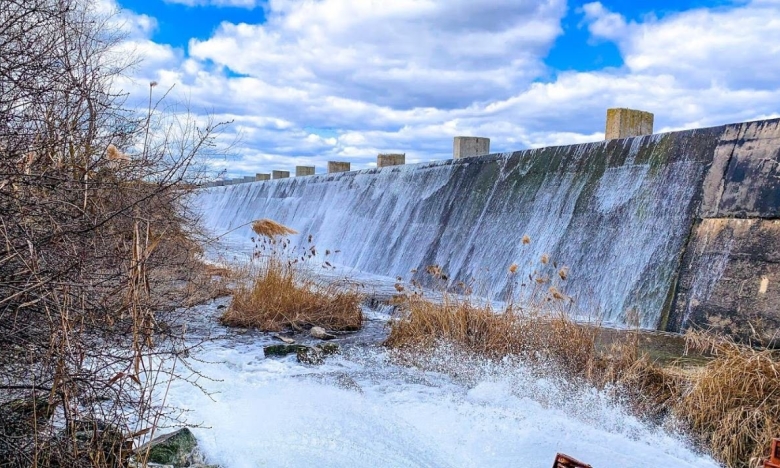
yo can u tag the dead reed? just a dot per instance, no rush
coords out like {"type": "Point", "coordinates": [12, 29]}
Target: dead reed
{"type": "Point", "coordinates": [733, 403]}
{"type": "Point", "coordinates": [271, 229]}
{"type": "Point", "coordinates": [282, 296]}
{"type": "Point", "coordinates": [481, 329]}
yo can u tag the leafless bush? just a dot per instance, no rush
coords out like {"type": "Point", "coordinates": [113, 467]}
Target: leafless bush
{"type": "Point", "coordinates": [94, 235]}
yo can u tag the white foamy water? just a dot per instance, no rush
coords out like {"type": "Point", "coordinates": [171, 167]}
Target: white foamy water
{"type": "Point", "coordinates": [362, 409]}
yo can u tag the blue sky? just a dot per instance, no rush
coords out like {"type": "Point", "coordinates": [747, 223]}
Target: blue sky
{"type": "Point", "coordinates": [306, 81]}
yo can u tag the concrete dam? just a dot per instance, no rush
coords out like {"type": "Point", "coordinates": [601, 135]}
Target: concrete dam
{"type": "Point", "coordinates": [681, 229]}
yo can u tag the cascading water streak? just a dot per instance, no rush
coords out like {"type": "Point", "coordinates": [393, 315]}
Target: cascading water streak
{"type": "Point", "coordinates": [615, 214]}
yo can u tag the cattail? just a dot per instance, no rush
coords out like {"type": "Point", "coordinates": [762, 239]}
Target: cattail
{"type": "Point", "coordinates": [152, 84]}
{"type": "Point", "coordinates": [526, 240]}
{"type": "Point", "coordinates": [556, 294]}
{"type": "Point", "coordinates": [271, 229]}
{"type": "Point", "coordinates": [545, 259]}
{"type": "Point", "coordinates": [563, 273]}
{"type": "Point", "coordinates": [513, 268]}
{"type": "Point", "coordinates": [399, 287]}
{"type": "Point", "coordinates": [113, 154]}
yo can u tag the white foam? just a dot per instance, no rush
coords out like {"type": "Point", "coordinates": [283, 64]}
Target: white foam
{"type": "Point", "coordinates": [362, 410]}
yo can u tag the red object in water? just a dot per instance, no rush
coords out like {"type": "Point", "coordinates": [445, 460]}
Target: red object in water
{"type": "Point", "coordinates": [565, 461]}
{"type": "Point", "coordinates": [774, 455]}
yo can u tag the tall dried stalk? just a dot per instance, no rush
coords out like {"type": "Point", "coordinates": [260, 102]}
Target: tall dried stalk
{"type": "Point", "coordinates": [93, 241]}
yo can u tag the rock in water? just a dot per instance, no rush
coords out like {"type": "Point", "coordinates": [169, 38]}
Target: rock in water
{"type": "Point", "coordinates": [309, 356]}
{"type": "Point", "coordinates": [321, 334]}
{"type": "Point", "coordinates": [328, 349]}
{"type": "Point", "coordinates": [285, 339]}
{"type": "Point", "coordinates": [282, 350]}
{"type": "Point", "coordinates": [179, 449]}
{"type": "Point", "coordinates": [316, 355]}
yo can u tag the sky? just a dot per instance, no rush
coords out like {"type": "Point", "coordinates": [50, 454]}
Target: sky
{"type": "Point", "coordinates": [310, 81]}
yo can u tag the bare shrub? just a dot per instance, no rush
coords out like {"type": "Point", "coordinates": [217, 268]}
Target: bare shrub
{"type": "Point", "coordinates": [96, 240]}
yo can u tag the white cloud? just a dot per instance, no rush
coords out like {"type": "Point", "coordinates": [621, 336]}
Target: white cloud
{"type": "Point", "coordinates": [338, 79]}
{"type": "Point", "coordinates": [404, 54]}
{"type": "Point", "coordinates": [733, 47]}
{"type": "Point", "coordinates": [219, 3]}
{"type": "Point", "coordinates": [603, 23]}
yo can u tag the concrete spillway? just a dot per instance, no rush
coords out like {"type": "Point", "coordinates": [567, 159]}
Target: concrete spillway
{"type": "Point", "coordinates": [679, 228]}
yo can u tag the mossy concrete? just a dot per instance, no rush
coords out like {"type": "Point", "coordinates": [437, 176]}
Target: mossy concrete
{"type": "Point", "coordinates": [634, 219]}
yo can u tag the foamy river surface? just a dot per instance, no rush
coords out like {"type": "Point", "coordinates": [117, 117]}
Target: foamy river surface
{"type": "Point", "coordinates": [363, 409]}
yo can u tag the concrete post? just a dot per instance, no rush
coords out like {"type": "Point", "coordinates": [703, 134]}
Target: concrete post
{"type": "Point", "coordinates": [337, 166]}
{"type": "Point", "coordinates": [466, 147]}
{"type": "Point", "coordinates": [259, 176]}
{"type": "Point", "coordinates": [219, 183]}
{"type": "Point", "coordinates": [624, 123]}
{"type": "Point", "coordinates": [384, 160]}
{"type": "Point", "coordinates": [246, 179]}
{"type": "Point", "coordinates": [280, 174]}
{"type": "Point", "coordinates": [304, 171]}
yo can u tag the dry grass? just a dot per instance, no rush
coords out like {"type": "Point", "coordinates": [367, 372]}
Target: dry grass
{"type": "Point", "coordinates": [733, 404]}
{"type": "Point", "coordinates": [479, 328]}
{"type": "Point", "coordinates": [280, 297]}
{"type": "Point", "coordinates": [271, 229]}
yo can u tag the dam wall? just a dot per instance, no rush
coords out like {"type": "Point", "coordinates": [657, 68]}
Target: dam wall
{"type": "Point", "coordinates": [680, 229]}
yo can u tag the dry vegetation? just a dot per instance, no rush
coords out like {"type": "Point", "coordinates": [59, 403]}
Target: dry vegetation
{"type": "Point", "coordinates": [282, 296]}
{"type": "Point", "coordinates": [730, 405]}
{"type": "Point", "coordinates": [96, 242]}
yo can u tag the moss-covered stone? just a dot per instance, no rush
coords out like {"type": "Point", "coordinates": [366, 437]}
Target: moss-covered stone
{"type": "Point", "coordinates": [282, 350]}
{"type": "Point", "coordinates": [176, 448]}
{"type": "Point", "coordinates": [317, 354]}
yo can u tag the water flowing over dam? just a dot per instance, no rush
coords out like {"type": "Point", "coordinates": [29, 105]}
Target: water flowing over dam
{"type": "Point", "coordinates": [680, 228]}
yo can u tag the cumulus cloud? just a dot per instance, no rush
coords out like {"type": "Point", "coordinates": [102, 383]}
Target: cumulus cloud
{"type": "Point", "coordinates": [404, 54]}
{"type": "Point", "coordinates": [736, 47]}
{"type": "Point", "coordinates": [339, 79]}
{"type": "Point", "coordinates": [219, 3]}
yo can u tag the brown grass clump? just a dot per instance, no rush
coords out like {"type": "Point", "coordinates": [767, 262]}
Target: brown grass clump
{"type": "Point", "coordinates": [271, 229]}
{"type": "Point", "coordinates": [280, 297]}
{"type": "Point", "coordinates": [733, 404]}
{"type": "Point", "coordinates": [478, 328]}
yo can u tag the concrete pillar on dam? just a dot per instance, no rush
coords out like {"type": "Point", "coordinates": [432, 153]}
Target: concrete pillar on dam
{"type": "Point", "coordinates": [280, 174]}
{"type": "Point", "coordinates": [385, 160]}
{"type": "Point", "coordinates": [337, 166]}
{"type": "Point", "coordinates": [259, 176]}
{"type": "Point", "coordinates": [624, 123]}
{"type": "Point", "coordinates": [466, 147]}
{"type": "Point", "coordinates": [304, 171]}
